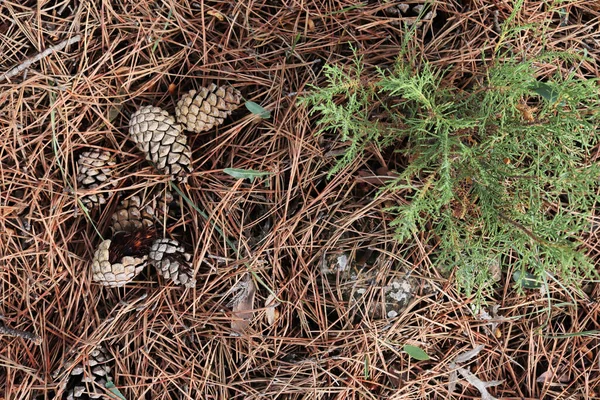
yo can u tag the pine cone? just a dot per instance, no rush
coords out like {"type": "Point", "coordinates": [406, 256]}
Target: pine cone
{"type": "Point", "coordinates": [87, 380]}
{"type": "Point", "coordinates": [164, 202]}
{"type": "Point", "coordinates": [408, 14]}
{"type": "Point", "coordinates": [171, 260]}
{"type": "Point", "coordinates": [162, 140]}
{"type": "Point", "coordinates": [117, 261]}
{"type": "Point", "coordinates": [94, 168]}
{"type": "Point", "coordinates": [202, 110]}
{"type": "Point", "coordinates": [130, 216]}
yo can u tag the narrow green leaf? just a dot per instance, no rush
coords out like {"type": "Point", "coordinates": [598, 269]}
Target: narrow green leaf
{"type": "Point", "coordinates": [113, 389]}
{"type": "Point", "coordinates": [245, 173]}
{"type": "Point", "coordinates": [415, 352]}
{"type": "Point", "coordinates": [526, 280]}
{"type": "Point", "coordinates": [546, 91]}
{"type": "Point", "coordinates": [258, 110]}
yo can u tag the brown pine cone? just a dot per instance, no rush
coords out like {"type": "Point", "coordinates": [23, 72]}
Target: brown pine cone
{"type": "Point", "coordinates": [87, 380]}
{"type": "Point", "coordinates": [130, 216]}
{"type": "Point", "coordinates": [118, 260]}
{"type": "Point", "coordinates": [172, 261]}
{"type": "Point", "coordinates": [206, 108]}
{"type": "Point", "coordinates": [407, 14]}
{"type": "Point", "coordinates": [162, 140]}
{"type": "Point", "coordinates": [162, 202]}
{"type": "Point", "coordinates": [95, 168]}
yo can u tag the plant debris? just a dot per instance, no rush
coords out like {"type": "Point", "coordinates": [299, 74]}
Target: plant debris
{"type": "Point", "coordinates": [72, 73]}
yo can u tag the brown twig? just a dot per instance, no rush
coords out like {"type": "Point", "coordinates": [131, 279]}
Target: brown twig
{"type": "Point", "coordinates": [27, 63]}
{"type": "Point", "coordinates": [5, 330]}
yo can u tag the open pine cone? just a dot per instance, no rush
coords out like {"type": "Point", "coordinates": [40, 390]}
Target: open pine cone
{"type": "Point", "coordinates": [162, 140]}
{"type": "Point", "coordinates": [172, 261]}
{"type": "Point", "coordinates": [118, 260]}
{"type": "Point", "coordinates": [95, 168]}
{"type": "Point", "coordinates": [206, 108]}
{"type": "Point", "coordinates": [86, 381]}
{"type": "Point", "coordinates": [130, 216]}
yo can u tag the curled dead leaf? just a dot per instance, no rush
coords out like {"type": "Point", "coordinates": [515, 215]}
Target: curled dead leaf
{"type": "Point", "coordinates": [216, 14]}
{"type": "Point", "coordinates": [242, 304]}
{"type": "Point", "coordinates": [271, 311]}
{"type": "Point", "coordinates": [555, 376]}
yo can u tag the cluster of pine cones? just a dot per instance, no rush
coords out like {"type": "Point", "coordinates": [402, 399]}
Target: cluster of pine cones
{"type": "Point", "coordinates": [134, 241]}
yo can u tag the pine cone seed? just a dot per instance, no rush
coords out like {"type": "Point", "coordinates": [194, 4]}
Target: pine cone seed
{"type": "Point", "coordinates": [108, 272]}
{"type": "Point", "coordinates": [206, 108]}
{"type": "Point", "coordinates": [162, 140]}
{"type": "Point", "coordinates": [172, 261]}
{"type": "Point", "coordinates": [94, 168]}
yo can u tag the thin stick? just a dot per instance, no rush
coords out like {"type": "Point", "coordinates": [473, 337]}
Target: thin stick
{"type": "Point", "coordinates": [27, 63]}
{"type": "Point", "coordinates": [5, 330]}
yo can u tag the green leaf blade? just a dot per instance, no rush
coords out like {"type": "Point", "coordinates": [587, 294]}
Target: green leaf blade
{"type": "Point", "coordinates": [545, 90]}
{"type": "Point", "coordinates": [415, 352]}
{"type": "Point", "coordinates": [113, 389]}
{"type": "Point", "coordinates": [250, 174]}
{"type": "Point", "coordinates": [257, 109]}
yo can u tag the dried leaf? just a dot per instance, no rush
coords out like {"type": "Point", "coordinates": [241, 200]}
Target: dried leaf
{"type": "Point", "coordinates": [216, 14]}
{"type": "Point", "coordinates": [461, 358]}
{"type": "Point", "coordinates": [479, 384]}
{"type": "Point", "coordinates": [558, 375]}
{"type": "Point", "coordinates": [271, 311]}
{"type": "Point", "coordinates": [242, 304]}
{"type": "Point", "coordinates": [467, 355]}
{"type": "Point", "coordinates": [452, 380]}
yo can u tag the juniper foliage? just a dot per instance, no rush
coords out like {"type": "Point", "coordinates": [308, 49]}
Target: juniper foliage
{"type": "Point", "coordinates": [505, 173]}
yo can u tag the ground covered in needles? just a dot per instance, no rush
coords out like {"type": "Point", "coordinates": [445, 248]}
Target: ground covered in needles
{"type": "Point", "coordinates": [302, 288]}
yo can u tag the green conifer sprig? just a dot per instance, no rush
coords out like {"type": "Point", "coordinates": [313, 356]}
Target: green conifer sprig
{"type": "Point", "coordinates": [504, 173]}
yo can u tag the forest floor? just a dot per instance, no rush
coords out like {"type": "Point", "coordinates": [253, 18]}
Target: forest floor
{"type": "Point", "coordinates": [348, 310]}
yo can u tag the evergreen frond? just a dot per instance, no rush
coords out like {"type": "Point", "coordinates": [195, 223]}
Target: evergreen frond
{"type": "Point", "coordinates": [504, 173]}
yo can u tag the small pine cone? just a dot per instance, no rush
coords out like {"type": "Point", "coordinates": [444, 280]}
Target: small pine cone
{"type": "Point", "coordinates": [116, 262]}
{"type": "Point", "coordinates": [164, 200]}
{"type": "Point", "coordinates": [162, 140]}
{"type": "Point", "coordinates": [202, 110]}
{"type": "Point", "coordinates": [172, 261]}
{"type": "Point", "coordinates": [130, 216]}
{"type": "Point", "coordinates": [86, 381]}
{"type": "Point", "coordinates": [94, 168]}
